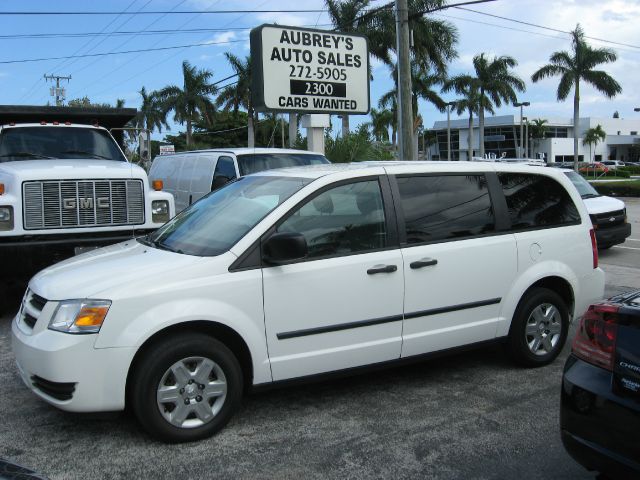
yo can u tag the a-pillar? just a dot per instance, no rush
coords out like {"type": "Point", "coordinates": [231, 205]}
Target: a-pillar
{"type": "Point", "coordinates": [315, 125]}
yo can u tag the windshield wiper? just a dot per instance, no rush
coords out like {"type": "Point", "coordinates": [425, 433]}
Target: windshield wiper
{"type": "Point", "coordinates": [91, 154]}
{"type": "Point", "coordinates": [25, 154]}
{"type": "Point", "coordinates": [591, 195]}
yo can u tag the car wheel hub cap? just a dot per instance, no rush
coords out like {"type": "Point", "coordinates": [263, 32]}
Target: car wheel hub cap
{"type": "Point", "coordinates": [543, 329]}
{"type": "Point", "coordinates": [191, 392]}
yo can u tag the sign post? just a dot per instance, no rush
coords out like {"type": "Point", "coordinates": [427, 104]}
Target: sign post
{"type": "Point", "coordinates": [309, 71]}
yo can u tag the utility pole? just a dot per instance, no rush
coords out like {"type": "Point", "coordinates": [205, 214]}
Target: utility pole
{"type": "Point", "coordinates": [449, 105]}
{"type": "Point", "coordinates": [56, 91]}
{"type": "Point", "coordinates": [405, 113]}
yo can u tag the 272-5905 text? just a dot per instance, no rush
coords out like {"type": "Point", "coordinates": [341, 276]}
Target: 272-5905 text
{"type": "Point", "coordinates": [319, 73]}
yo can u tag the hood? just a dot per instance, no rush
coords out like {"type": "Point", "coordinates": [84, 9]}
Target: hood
{"type": "Point", "coordinates": [119, 265]}
{"type": "Point", "coordinates": [597, 205]}
{"type": "Point", "coordinates": [71, 168]}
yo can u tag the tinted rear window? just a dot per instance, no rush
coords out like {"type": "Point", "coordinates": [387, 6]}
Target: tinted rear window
{"type": "Point", "coordinates": [257, 162]}
{"type": "Point", "coordinates": [438, 208]}
{"type": "Point", "coordinates": [537, 201]}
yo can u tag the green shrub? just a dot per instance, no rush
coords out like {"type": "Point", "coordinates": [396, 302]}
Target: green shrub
{"type": "Point", "coordinates": [610, 174]}
{"type": "Point", "coordinates": [630, 169]}
{"type": "Point", "coordinates": [355, 147]}
{"type": "Point", "coordinates": [618, 189]}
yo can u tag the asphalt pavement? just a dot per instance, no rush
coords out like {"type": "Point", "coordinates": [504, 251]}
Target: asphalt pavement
{"type": "Point", "coordinates": [468, 416]}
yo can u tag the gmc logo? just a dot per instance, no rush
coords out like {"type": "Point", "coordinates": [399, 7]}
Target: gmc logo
{"type": "Point", "coordinates": [85, 203]}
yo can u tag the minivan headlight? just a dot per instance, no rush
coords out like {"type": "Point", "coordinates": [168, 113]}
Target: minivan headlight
{"type": "Point", "coordinates": [160, 211]}
{"type": "Point", "coordinates": [79, 316]}
{"type": "Point", "coordinates": [6, 218]}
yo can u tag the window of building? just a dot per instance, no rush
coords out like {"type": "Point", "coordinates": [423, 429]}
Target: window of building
{"type": "Point", "coordinates": [438, 208]}
{"type": "Point", "coordinates": [537, 201]}
{"type": "Point", "coordinates": [344, 220]}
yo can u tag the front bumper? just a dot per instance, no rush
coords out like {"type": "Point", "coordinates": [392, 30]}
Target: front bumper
{"type": "Point", "coordinates": [26, 255]}
{"type": "Point", "coordinates": [607, 237]}
{"type": "Point", "coordinates": [599, 428]}
{"type": "Point", "coordinates": [67, 371]}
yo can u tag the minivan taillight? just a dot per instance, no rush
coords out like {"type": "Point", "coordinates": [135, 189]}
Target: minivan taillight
{"type": "Point", "coordinates": [595, 339]}
{"type": "Point", "coordinates": [594, 247]}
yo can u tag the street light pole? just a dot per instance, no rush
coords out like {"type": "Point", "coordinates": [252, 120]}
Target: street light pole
{"type": "Point", "coordinates": [521, 104]}
{"type": "Point", "coordinates": [449, 105]}
{"type": "Point", "coordinates": [526, 137]}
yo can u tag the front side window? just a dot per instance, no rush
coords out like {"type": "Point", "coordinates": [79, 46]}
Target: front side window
{"type": "Point", "coordinates": [225, 172]}
{"type": "Point", "coordinates": [49, 142]}
{"type": "Point", "coordinates": [345, 220]}
{"type": "Point", "coordinates": [438, 208]}
{"type": "Point", "coordinates": [257, 162]}
{"type": "Point", "coordinates": [536, 201]}
{"type": "Point", "coordinates": [218, 221]}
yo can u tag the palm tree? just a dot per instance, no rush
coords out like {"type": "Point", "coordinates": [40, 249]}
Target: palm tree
{"type": "Point", "coordinates": [191, 103]}
{"type": "Point", "coordinates": [238, 94]}
{"type": "Point", "coordinates": [467, 87]}
{"type": "Point", "coordinates": [593, 137]}
{"type": "Point", "coordinates": [150, 114]}
{"type": "Point", "coordinates": [496, 84]}
{"type": "Point", "coordinates": [576, 66]}
{"type": "Point", "coordinates": [349, 16]}
{"type": "Point", "coordinates": [538, 129]}
{"type": "Point", "coordinates": [390, 101]}
{"type": "Point", "coordinates": [381, 120]}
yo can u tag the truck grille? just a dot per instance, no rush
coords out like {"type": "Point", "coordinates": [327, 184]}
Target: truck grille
{"type": "Point", "coordinates": [82, 203]}
{"type": "Point", "coordinates": [609, 219]}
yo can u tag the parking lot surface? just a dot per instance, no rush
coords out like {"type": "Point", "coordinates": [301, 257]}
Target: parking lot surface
{"type": "Point", "coordinates": [472, 415]}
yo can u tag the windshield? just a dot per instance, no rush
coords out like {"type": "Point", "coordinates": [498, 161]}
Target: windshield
{"type": "Point", "coordinates": [257, 162]}
{"type": "Point", "coordinates": [584, 188]}
{"type": "Point", "coordinates": [215, 223]}
{"type": "Point", "coordinates": [29, 143]}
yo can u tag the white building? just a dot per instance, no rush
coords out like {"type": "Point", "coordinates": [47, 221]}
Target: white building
{"type": "Point", "coordinates": [502, 137]}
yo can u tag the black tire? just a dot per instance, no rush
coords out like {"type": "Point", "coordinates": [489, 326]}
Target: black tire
{"type": "Point", "coordinates": [150, 370]}
{"type": "Point", "coordinates": [517, 345]}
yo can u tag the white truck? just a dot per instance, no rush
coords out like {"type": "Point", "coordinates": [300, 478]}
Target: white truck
{"type": "Point", "coordinates": [66, 186]}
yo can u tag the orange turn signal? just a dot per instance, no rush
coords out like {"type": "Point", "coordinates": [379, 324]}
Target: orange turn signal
{"type": "Point", "coordinates": [1, 188]}
{"type": "Point", "coordinates": [91, 316]}
{"type": "Point", "coordinates": [157, 185]}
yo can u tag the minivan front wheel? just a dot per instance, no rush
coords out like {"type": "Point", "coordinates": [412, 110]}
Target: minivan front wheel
{"type": "Point", "coordinates": [539, 328]}
{"type": "Point", "coordinates": [186, 388]}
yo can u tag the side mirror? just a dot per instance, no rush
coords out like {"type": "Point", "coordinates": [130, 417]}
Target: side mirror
{"type": "Point", "coordinates": [284, 247]}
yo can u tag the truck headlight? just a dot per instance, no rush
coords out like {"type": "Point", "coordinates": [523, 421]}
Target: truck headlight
{"type": "Point", "coordinates": [6, 218]}
{"type": "Point", "coordinates": [79, 316]}
{"type": "Point", "coordinates": [160, 211]}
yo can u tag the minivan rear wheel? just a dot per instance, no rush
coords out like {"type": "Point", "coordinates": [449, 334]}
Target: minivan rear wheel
{"type": "Point", "coordinates": [539, 328]}
{"type": "Point", "coordinates": [186, 388]}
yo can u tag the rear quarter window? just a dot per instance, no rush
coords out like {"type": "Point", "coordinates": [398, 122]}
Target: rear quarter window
{"type": "Point", "coordinates": [537, 201]}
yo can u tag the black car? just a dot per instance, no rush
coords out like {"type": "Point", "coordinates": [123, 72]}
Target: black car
{"type": "Point", "coordinates": [600, 401]}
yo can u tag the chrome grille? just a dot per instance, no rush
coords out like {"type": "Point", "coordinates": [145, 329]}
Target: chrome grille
{"type": "Point", "coordinates": [31, 308]}
{"type": "Point", "coordinates": [82, 203]}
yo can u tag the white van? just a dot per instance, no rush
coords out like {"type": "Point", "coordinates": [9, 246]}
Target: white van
{"type": "Point", "coordinates": [189, 176]}
{"type": "Point", "coordinates": [294, 273]}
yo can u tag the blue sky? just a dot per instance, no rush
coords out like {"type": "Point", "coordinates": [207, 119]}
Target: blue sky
{"type": "Point", "coordinates": [104, 79]}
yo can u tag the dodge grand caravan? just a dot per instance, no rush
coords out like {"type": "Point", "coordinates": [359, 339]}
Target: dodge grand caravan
{"type": "Point", "coordinates": [298, 272]}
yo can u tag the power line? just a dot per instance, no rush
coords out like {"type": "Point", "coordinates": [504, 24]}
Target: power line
{"type": "Point", "coordinates": [159, 12]}
{"type": "Point", "coordinates": [522, 22]}
{"type": "Point", "coordinates": [26, 60]}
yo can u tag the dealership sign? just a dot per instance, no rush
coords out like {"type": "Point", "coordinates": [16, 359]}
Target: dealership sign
{"type": "Point", "coordinates": [309, 71]}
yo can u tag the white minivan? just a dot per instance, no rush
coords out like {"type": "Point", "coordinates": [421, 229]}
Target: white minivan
{"type": "Point", "coordinates": [189, 176]}
{"type": "Point", "coordinates": [294, 273]}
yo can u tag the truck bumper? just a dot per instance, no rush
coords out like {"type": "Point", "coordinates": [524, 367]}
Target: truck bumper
{"type": "Point", "coordinates": [26, 255]}
{"type": "Point", "coordinates": [607, 237]}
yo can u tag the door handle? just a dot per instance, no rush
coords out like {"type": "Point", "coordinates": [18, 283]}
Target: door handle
{"type": "Point", "coordinates": [382, 269]}
{"type": "Point", "coordinates": [425, 262]}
